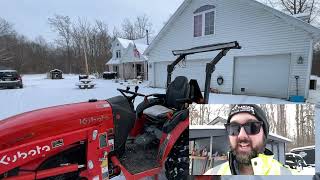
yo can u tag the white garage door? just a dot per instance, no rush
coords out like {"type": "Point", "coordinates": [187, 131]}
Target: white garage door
{"type": "Point", "coordinates": [160, 75]}
{"type": "Point", "coordinates": [262, 75]}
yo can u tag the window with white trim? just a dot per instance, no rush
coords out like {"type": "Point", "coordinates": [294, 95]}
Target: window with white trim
{"type": "Point", "coordinates": [209, 23]}
{"type": "Point", "coordinates": [204, 21]}
{"type": "Point", "coordinates": [197, 26]}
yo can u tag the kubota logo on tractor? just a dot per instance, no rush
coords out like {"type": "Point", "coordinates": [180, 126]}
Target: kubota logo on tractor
{"type": "Point", "coordinates": [90, 120]}
{"type": "Point", "coordinates": [5, 160]}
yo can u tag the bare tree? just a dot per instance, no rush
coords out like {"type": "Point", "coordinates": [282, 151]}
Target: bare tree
{"type": "Point", "coordinates": [6, 28]}
{"type": "Point", "coordinates": [269, 109]}
{"type": "Point", "coordinates": [137, 29]}
{"type": "Point", "coordinates": [6, 34]}
{"type": "Point", "coordinates": [310, 7]}
{"type": "Point", "coordinates": [67, 53]}
{"type": "Point", "coordinates": [116, 33]}
{"type": "Point", "coordinates": [142, 24]}
{"type": "Point", "coordinates": [93, 42]}
{"type": "Point", "coordinates": [281, 120]}
{"type": "Point", "coordinates": [193, 113]}
{"type": "Point", "coordinates": [62, 25]}
{"type": "Point", "coordinates": [128, 30]}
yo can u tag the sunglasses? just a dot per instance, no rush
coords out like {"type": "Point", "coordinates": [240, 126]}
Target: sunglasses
{"type": "Point", "coordinates": [251, 128]}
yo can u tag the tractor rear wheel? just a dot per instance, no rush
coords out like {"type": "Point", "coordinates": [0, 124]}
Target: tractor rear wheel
{"type": "Point", "coordinates": [177, 163]}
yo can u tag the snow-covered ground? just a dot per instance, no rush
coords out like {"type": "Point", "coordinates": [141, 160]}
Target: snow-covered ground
{"type": "Point", "coordinates": [39, 92]}
{"type": "Point", "coordinates": [307, 171]}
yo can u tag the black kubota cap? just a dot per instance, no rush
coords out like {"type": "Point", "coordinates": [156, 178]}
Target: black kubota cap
{"type": "Point", "coordinates": [252, 109]}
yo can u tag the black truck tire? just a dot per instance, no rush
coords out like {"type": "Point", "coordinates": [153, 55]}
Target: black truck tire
{"type": "Point", "coordinates": [177, 163]}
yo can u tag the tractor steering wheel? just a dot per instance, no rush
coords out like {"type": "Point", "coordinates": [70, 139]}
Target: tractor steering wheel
{"type": "Point", "coordinates": [131, 99]}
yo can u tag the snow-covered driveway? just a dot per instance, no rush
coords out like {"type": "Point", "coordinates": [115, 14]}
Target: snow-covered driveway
{"type": "Point", "coordinates": [39, 92]}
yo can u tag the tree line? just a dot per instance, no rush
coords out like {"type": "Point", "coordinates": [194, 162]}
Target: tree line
{"type": "Point", "coordinates": [76, 40]}
{"type": "Point", "coordinates": [311, 8]}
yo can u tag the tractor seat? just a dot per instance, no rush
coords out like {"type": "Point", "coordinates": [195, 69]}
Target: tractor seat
{"type": "Point", "coordinates": [177, 90]}
{"type": "Point", "coordinates": [157, 113]}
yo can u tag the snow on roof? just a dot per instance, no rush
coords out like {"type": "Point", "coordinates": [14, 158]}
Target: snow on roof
{"type": "Point", "coordinates": [141, 44]}
{"type": "Point", "coordinates": [301, 15]}
{"type": "Point", "coordinates": [124, 42]}
{"type": "Point", "coordinates": [55, 70]}
{"type": "Point", "coordinates": [8, 70]}
{"type": "Point", "coordinates": [313, 77]}
{"type": "Point", "coordinates": [206, 127]}
{"type": "Point", "coordinates": [141, 47]}
{"type": "Point", "coordinates": [303, 148]}
{"type": "Point", "coordinates": [145, 57]}
{"type": "Point", "coordinates": [276, 136]}
{"type": "Point", "coordinates": [113, 61]}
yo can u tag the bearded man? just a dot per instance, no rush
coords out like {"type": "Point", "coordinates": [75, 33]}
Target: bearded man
{"type": "Point", "coordinates": [248, 130]}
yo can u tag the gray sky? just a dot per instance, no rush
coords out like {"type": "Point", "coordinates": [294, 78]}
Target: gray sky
{"type": "Point", "coordinates": [30, 17]}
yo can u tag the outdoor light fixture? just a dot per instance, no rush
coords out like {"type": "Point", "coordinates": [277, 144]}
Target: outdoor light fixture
{"type": "Point", "coordinates": [300, 60]}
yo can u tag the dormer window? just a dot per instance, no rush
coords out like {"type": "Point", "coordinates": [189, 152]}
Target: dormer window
{"type": "Point", "coordinates": [197, 26]}
{"type": "Point", "coordinates": [204, 20]}
{"type": "Point", "coordinates": [118, 54]}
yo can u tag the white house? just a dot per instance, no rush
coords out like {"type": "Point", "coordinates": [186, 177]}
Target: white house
{"type": "Point", "coordinates": [128, 59]}
{"type": "Point", "coordinates": [276, 47]}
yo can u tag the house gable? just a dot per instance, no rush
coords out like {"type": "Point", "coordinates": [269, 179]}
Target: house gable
{"type": "Point", "coordinates": [312, 31]}
{"type": "Point", "coordinates": [260, 30]}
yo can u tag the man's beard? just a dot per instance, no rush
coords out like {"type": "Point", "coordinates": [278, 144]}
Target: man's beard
{"type": "Point", "coordinates": [244, 158]}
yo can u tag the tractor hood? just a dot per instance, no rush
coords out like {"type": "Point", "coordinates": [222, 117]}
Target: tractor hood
{"type": "Point", "coordinates": [47, 122]}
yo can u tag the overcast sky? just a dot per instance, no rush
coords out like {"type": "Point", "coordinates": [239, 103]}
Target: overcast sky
{"type": "Point", "coordinates": [30, 17]}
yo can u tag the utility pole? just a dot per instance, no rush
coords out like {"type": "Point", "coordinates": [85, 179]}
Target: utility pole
{"type": "Point", "coordinates": [85, 56]}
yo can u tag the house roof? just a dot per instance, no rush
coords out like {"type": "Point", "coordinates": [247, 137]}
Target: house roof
{"type": "Point", "coordinates": [124, 42]}
{"type": "Point", "coordinates": [113, 61]}
{"type": "Point", "coordinates": [218, 120]}
{"type": "Point", "coordinates": [303, 148]}
{"type": "Point", "coordinates": [55, 70]}
{"type": "Point", "coordinates": [313, 31]}
{"type": "Point", "coordinates": [141, 45]}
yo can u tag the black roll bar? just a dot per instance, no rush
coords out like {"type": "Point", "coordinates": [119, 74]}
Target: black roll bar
{"type": "Point", "coordinates": [210, 67]}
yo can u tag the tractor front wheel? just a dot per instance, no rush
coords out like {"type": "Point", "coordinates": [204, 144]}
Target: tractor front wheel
{"type": "Point", "coordinates": [177, 163]}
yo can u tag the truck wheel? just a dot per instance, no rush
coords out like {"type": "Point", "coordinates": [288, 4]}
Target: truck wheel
{"type": "Point", "coordinates": [177, 163]}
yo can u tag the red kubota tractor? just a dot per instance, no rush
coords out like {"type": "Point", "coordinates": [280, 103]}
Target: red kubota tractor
{"type": "Point", "coordinates": [99, 139]}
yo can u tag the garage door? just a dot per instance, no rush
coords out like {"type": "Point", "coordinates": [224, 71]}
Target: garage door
{"type": "Point", "coordinates": [160, 75]}
{"type": "Point", "coordinates": [262, 75]}
{"type": "Point", "coordinates": [191, 69]}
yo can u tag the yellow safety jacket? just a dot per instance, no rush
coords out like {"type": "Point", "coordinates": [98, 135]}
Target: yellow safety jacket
{"type": "Point", "coordinates": [264, 164]}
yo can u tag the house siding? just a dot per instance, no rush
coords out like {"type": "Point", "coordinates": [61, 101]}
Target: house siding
{"type": "Point", "coordinates": [258, 32]}
{"type": "Point", "coordinates": [127, 61]}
